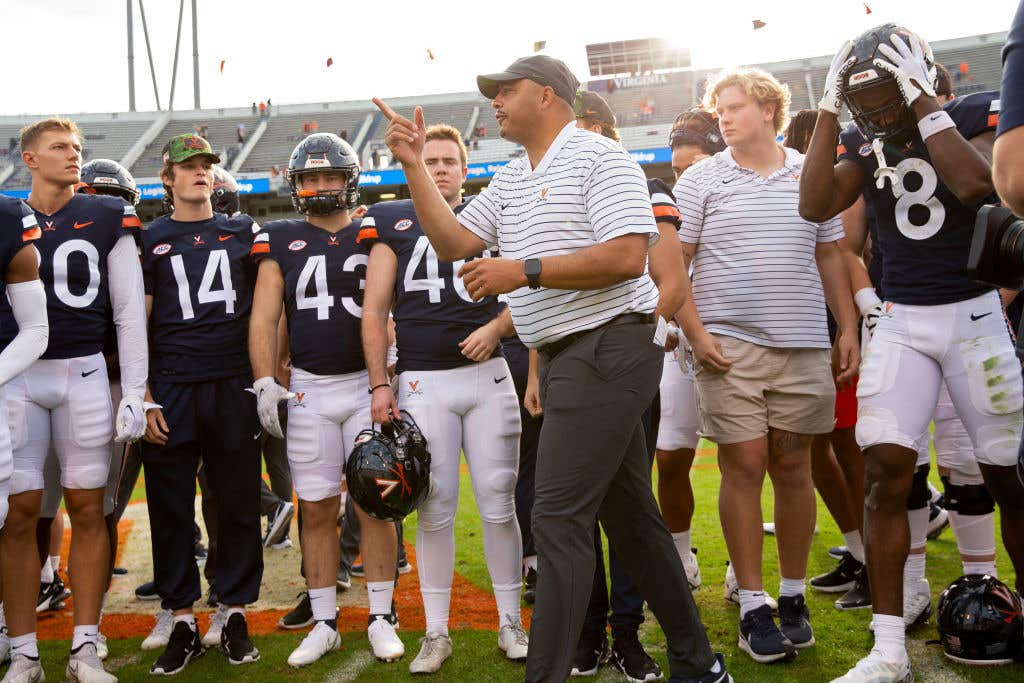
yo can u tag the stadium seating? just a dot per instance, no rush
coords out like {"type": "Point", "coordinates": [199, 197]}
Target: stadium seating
{"type": "Point", "coordinates": [220, 132]}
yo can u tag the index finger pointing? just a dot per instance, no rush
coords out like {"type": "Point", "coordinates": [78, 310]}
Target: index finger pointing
{"type": "Point", "coordinates": [388, 112]}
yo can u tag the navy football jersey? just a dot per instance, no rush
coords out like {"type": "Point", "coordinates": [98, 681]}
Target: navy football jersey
{"type": "Point", "coordinates": [73, 249]}
{"type": "Point", "coordinates": [18, 227]}
{"type": "Point", "coordinates": [433, 311]}
{"type": "Point", "coordinates": [201, 277]}
{"type": "Point", "coordinates": [924, 235]}
{"type": "Point", "coordinates": [324, 277]}
{"type": "Point", "coordinates": [663, 203]}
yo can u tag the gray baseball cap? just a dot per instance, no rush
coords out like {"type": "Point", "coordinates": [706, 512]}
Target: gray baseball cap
{"type": "Point", "coordinates": [540, 69]}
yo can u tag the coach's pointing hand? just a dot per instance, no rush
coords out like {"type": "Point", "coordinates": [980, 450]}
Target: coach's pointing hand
{"type": "Point", "coordinates": [404, 138]}
{"type": "Point", "coordinates": [491, 276]}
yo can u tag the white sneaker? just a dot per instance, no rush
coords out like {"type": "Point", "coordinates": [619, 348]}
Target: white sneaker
{"type": "Point", "coordinates": [85, 666]}
{"type": "Point", "coordinates": [24, 670]}
{"type": "Point", "coordinates": [874, 669]}
{"type": "Point", "coordinates": [512, 639]}
{"type": "Point", "coordinates": [434, 649]}
{"type": "Point", "coordinates": [321, 640]}
{"type": "Point", "coordinates": [692, 570]}
{"type": "Point", "coordinates": [161, 633]}
{"type": "Point", "coordinates": [769, 528]}
{"type": "Point", "coordinates": [5, 646]}
{"type": "Point", "coordinates": [732, 590]}
{"type": "Point", "coordinates": [101, 647]}
{"type": "Point", "coordinates": [917, 605]}
{"type": "Point", "coordinates": [385, 642]}
{"type": "Point", "coordinates": [217, 620]}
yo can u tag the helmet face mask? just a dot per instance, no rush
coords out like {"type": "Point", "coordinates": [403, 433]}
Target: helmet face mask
{"type": "Point", "coordinates": [323, 152]}
{"type": "Point", "coordinates": [105, 176]}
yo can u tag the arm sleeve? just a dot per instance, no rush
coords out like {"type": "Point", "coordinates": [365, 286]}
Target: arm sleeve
{"type": "Point", "coordinates": [663, 203]}
{"type": "Point", "coordinates": [690, 202]}
{"type": "Point", "coordinates": [1012, 91]}
{"type": "Point", "coordinates": [482, 217]}
{"type": "Point", "coordinates": [28, 304]}
{"type": "Point", "coordinates": [616, 198]}
{"type": "Point", "coordinates": [831, 230]}
{"type": "Point", "coordinates": [368, 234]}
{"type": "Point", "coordinates": [129, 312]}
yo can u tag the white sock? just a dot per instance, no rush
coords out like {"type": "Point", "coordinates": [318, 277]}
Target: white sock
{"type": "Point", "coordinates": [681, 539]}
{"type": "Point", "coordinates": [935, 495]}
{"type": "Point", "coordinates": [83, 635]}
{"type": "Point", "coordinates": [436, 604]}
{"type": "Point", "coordinates": [913, 570]}
{"type": "Point", "coordinates": [25, 645]}
{"type": "Point", "coordinates": [507, 598]}
{"type": "Point", "coordinates": [855, 544]}
{"type": "Point", "coordinates": [55, 562]}
{"type": "Point", "coordinates": [975, 537]}
{"type": "Point", "coordinates": [890, 637]}
{"type": "Point", "coordinates": [988, 567]}
{"type": "Point", "coordinates": [750, 600]}
{"type": "Point", "coordinates": [503, 548]}
{"type": "Point", "coordinates": [529, 562]}
{"type": "Point", "coordinates": [324, 602]}
{"type": "Point", "coordinates": [46, 573]}
{"type": "Point", "coordinates": [918, 522]}
{"type": "Point", "coordinates": [791, 587]}
{"type": "Point", "coordinates": [189, 619]}
{"type": "Point", "coordinates": [381, 593]}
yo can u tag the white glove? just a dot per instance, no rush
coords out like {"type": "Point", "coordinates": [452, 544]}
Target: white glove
{"type": "Point", "coordinates": [131, 420]}
{"type": "Point", "coordinates": [907, 64]}
{"type": "Point", "coordinates": [832, 100]}
{"type": "Point", "coordinates": [871, 319]}
{"type": "Point", "coordinates": [268, 394]}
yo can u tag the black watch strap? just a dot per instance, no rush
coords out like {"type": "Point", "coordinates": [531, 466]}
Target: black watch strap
{"type": "Point", "coordinates": [531, 267]}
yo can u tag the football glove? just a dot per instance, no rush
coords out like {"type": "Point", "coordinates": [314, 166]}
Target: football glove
{"type": "Point", "coordinates": [908, 66]}
{"type": "Point", "coordinates": [268, 395]}
{"type": "Point", "coordinates": [131, 420]}
{"type": "Point", "coordinates": [832, 100]}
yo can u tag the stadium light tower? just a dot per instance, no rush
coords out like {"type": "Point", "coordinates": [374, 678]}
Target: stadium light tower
{"type": "Point", "coordinates": [131, 60]}
{"type": "Point", "coordinates": [195, 56]}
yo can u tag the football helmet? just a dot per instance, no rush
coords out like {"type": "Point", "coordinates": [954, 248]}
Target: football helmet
{"type": "Point", "coordinates": [225, 192]}
{"type": "Point", "coordinates": [979, 621]}
{"type": "Point", "coordinates": [697, 127]}
{"type": "Point", "coordinates": [105, 176]}
{"type": "Point", "coordinates": [324, 152]}
{"type": "Point", "coordinates": [388, 471]}
{"type": "Point", "coordinates": [872, 94]}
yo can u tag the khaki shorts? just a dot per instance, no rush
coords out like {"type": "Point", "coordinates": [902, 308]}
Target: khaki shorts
{"type": "Point", "coordinates": [790, 389]}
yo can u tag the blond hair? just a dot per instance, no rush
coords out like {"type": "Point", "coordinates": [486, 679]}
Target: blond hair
{"type": "Point", "coordinates": [756, 83]}
{"type": "Point", "coordinates": [33, 131]}
{"type": "Point", "coordinates": [442, 131]}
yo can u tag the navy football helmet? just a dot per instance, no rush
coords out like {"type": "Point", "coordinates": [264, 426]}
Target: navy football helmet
{"type": "Point", "coordinates": [225, 192]}
{"type": "Point", "coordinates": [979, 620]}
{"type": "Point", "coordinates": [324, 152]}
{"type": "Point", "coordinates": [388, 471]}
{"type": "Point", "coordinates": [872, 94]}
{"type": "Point", "coordinates": [106, 176]}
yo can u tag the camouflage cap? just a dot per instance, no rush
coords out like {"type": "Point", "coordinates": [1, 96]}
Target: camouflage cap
{"type": "Point", "coordinates": [183, 147]}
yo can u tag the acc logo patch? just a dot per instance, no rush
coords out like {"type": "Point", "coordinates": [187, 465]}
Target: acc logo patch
{"type": "Point", "coordinates": [161, 249]}
{"type": "Point", "coordinates": [403, 224]}
{"type": "Point", "coordinates": [296, 245]}
{"type": "Point", "coordinates": [865, 150]}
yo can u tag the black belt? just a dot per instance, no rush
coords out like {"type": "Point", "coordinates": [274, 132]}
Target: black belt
{"type": "Point", "coordinates": [556, 347]}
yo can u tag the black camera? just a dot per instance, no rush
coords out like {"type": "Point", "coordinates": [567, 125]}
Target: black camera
{"type": "Point", "coordinates": [997, 249]}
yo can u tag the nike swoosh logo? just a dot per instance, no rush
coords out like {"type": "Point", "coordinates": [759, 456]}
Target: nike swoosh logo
{"type": "Point", "coordinates": [979, 317]}
{"type": "Point", "coordinates": [726, 182]}
{"type": "Point", "coordinates": [86, 374]}
{"type": "Point", "coordinates": [224, 238]}
{"type": "Point", "coordinates": [501, 379]}
{"type": "Point", "coordinates": [79, 226]}
{"type": "Point", "coordinates": [934, 116]}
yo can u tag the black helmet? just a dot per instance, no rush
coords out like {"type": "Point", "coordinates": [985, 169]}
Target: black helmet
{"type": "Point", "coordinates": [388, 472]}
{"type": "Point", "coordinates": [225, 192]}
{"type": "Point", "coordinates": [105, 176]}
{"type": "Point", "coordinates": [324, 152]}
{"type": "Point", "coordinates": [980, 622]}
{"type": "Point", "coordinates": [886, 114]}
{"type": "Point", "coordinates": [697, 127]}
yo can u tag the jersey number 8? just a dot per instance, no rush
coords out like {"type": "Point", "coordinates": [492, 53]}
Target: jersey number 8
{"type": "Point", "coordinates": [922, 196]}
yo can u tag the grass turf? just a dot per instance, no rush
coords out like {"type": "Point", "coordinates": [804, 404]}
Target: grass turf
{"type": "Point", "coordinates": [842, 637]}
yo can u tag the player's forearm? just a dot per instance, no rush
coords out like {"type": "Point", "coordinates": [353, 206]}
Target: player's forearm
{"type": "Point", "coordinates": [835, 280]}
{"type": "Point", "coordinates": [128, 306]}
{"type": "Point", "coordinates": [859, 277]}
{"type": "Point", "coordinates": [263, 346]}
{"type": "Point", "coordinates": [602, 265]}
{"type": "Point", "coordinates": [960, 166]}
{"type": "Point", "coordinates": [28, 306]}
{"type": "Point", "coordinates": [503, 324]}
{"type": "Point", "coordinates": [817, 178]}
{"type": "Point", "coordinates": [450, 240]}
{"type": "Point", "coordinates": [375, 346]}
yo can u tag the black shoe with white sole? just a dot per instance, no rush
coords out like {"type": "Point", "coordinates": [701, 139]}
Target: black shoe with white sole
{"type": "Point", "coordinates": [836, 552]}
{"type": "Point", "coordinates": [761, 638]}
{"type": "Point", "coordinates": [629, 657]}
{"type": "Point", "coordinates": [841, 578]}
{"type": "Point", "coordinates": [300, 617]}
{"type": "Point", "coordinates": [279, 523]}
{"type": "Point", "coordinates": [858, 597]}
{"type": "Point", "coordinates": [590, 653]}
{"type": "Point", "coordinates": [235, 643]}
{"type": "Point", "coordinates": [183, 646]}
{"type": "Point", "coordinates": [717, 674]}
{"type": "Point", "coordinates": [795, 620]}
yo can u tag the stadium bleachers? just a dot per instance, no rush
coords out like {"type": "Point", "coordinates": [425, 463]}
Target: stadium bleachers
{"type": "Point", "coordinates": [285, 130]}
{"type": "Point", "coordinates": [220, 132]}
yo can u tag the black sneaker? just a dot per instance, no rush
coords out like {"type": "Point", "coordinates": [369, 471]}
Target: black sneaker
{"type": "Point", "coordinates": [278, 523]}
{"type": "Point", "coordinates": [938, 520]}
{"type": "Point", "coordinates": [147, 591]}
{"type": "Point", "coordinates": [761, 638]}
{"type": "Point", "coordinates": [590, 653]}
{"type": "Point", "coordinates": [52, 595]}
{"type": "Point", "coordinates": [182, 648]}
{"type": "Point", "coordinates": [794, 620]}
{"type": "Point", "coordinates": [840, 579]}
{"type": "Point", "coordinates": [235, 643]}
{"type": "Point", "coordinates": [530, 586]}
{"type": "Point", "coordinates": [858, 597]}
{"type": "Point", "coordinates": [344, 580]}
{"type": "Point", "coordinates": [719, 676]}
{"type": "Point", "coordinates": [300, 617]}
{"type": "Point", "coordinates": [629, 657]}
{"type": "Point", "coordinates": [357, 570]}
{"type": "Point", "coordinates": [836, 552]}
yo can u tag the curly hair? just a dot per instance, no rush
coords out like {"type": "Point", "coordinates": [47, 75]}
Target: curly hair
{"type": "Point", "coordinates": [756, 83]}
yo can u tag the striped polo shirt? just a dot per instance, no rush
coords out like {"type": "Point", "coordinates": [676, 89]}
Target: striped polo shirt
{"type": "Point", "coordinates": [755, 276]}
{"type": "Point", "coordinates": [586, 190]}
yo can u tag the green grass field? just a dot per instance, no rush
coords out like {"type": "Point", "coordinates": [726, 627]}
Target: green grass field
{"type": "Point", "coordinates": [842, 638]}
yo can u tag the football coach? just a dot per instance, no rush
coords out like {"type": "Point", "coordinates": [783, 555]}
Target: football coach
{"type": "Point", "coordinates": [572, 219]}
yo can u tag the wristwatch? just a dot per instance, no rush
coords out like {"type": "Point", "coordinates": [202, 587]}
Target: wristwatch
{"type": "Point", "coordinates": [531, 267]}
